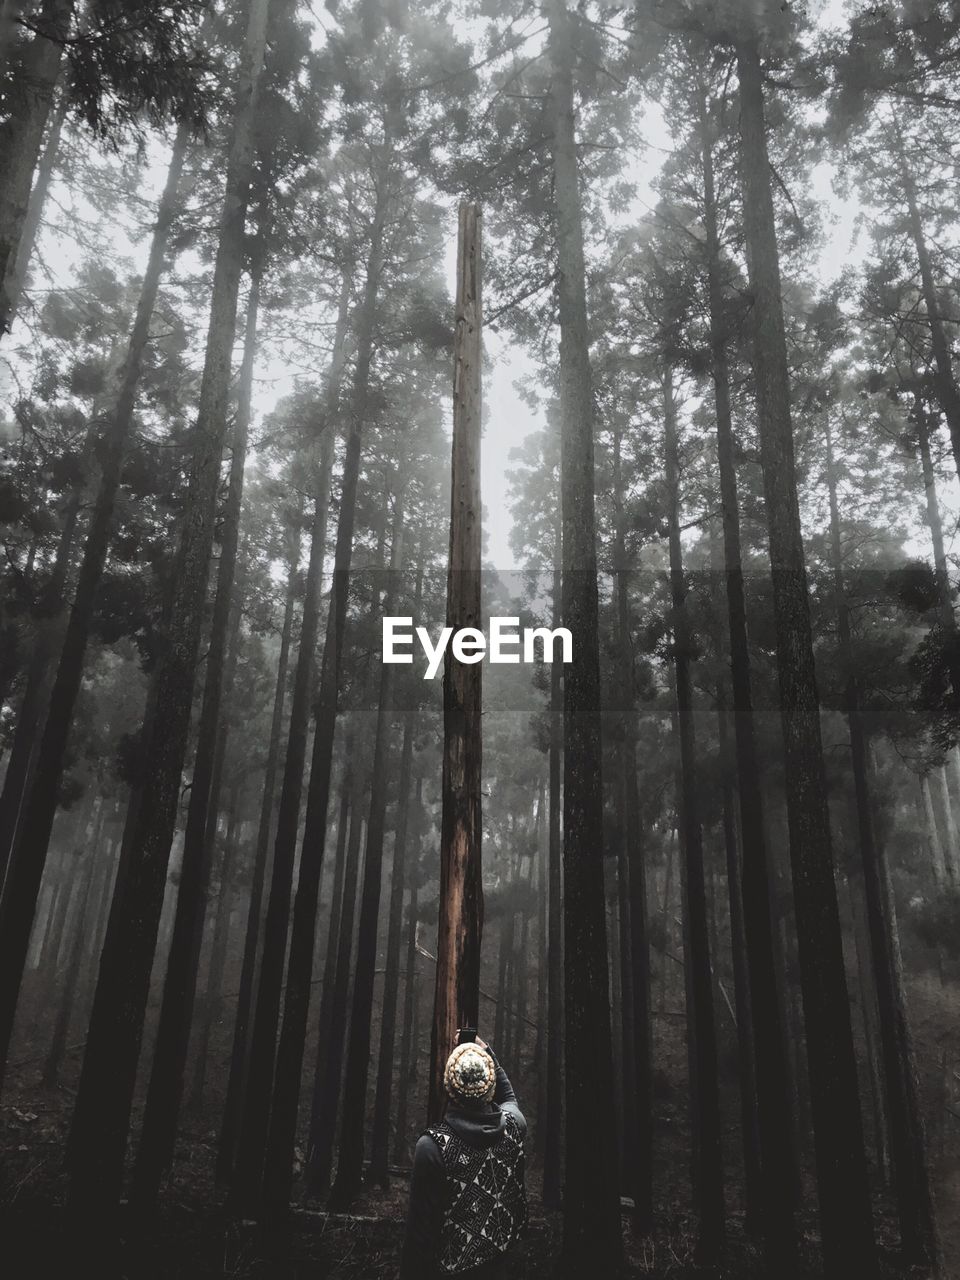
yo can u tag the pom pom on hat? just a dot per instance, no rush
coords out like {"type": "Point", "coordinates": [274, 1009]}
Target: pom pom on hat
{"type": "Point", "coordinates": [470, 1074]}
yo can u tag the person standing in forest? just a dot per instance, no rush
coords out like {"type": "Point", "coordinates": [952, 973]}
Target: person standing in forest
{"type": "Point", "coordinates": [468, 1203]}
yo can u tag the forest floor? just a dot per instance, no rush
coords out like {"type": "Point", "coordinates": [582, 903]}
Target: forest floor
{"type": "Point", "coordinates": [195, 1239]}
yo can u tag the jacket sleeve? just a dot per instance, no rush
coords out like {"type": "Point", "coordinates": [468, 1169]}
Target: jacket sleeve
{"type": "Point", "coordinates": [504, 1097]}
{"type": "Point", "coordinates": [425, 1212]}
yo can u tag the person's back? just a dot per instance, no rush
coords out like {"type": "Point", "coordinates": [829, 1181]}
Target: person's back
{"type": "Point", "coordinates": [467, 1197]}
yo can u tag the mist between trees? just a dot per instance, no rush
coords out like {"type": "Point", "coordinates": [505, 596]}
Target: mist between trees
{"type": "Point", "coordinates": [719, 897]}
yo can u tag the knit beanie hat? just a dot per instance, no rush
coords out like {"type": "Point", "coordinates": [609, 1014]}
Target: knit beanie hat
{"type": "Point", "coordinates": [470, 1075]}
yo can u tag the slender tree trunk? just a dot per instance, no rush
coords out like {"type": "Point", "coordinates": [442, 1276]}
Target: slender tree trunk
{"type": "Point", "coordinates": [845, 1210]}
{"type": "Point", "coordinates": [460, 928]}
{"type": "Point", "coordinates": [54, 1058]}
{"type": "Point", "coordinates": [933, 835]}
{"type": "Point", "coordinates": [945, 612]}
{"type": "Point", "coordinates": [951, 846]}
{"type": "Point", "coordinates": [213, 991]}
{"type": "Point", "coordinates": [777, 1150]}
{"type": "Point", "coordinates": [17, 273]}
{"type": "Point", "coordinates": [746, 1051]}
{"type": "Point", "coordinates": [409, 1038]}
{"type": "Point", "coordinates": [635, 949]}
{"type": "Point", "coordinates": [278, 1153]}
{"type": "Point", "coordinates": [40, 805]}
{"type": "Point", "coordinates": [914, 1199]}
{"type": "Point", "coordinates": [553, 1145]}
{"type": "Point", "coordinates": [179, 993]}
{"type": "Point", "coordinates": [21, 134]}
{"type": "Point", "coordinates": [102, 1114]}
{"type": "Point", "coordinates": [591, 1202]}
{"type": "Point", "coordinates": [543, 970]}
{"type": "Point", "coordinates": [709, 1180]}
{"type": "Point", "coordinates": [229, 1126]}
{"type": "Point", "coordinates": [391, 986]}
{"type": "Point", "coordinates": [326, 1099]}
{"type": "Point", "coordinates": [324, 1018]}
{"type": "Point", "coordinates": [245, 1189]}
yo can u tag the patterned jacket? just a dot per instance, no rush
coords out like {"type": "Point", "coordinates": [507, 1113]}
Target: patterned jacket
{"type": "Point", "coordinates": [467, 1200]}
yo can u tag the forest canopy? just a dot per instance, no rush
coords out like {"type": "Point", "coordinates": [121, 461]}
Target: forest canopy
{"type": "Point", "coordinates": [267, 269]}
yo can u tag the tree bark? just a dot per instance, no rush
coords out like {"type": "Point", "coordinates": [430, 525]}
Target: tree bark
{"type": "Point", "coordinates": [409, 1043]}
{"type": "Point", "coordinates": [591, 1223]}
{"type": "Point", "coordinates": [102, 1114]}
{"type": "Point", "coordinates": [845, 1211]}
{"type": "Point", "coordinates": [460, 928]}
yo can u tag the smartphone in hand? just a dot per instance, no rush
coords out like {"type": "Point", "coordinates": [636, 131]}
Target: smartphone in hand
{"type": "Point", "coordinates": [466, 1035]}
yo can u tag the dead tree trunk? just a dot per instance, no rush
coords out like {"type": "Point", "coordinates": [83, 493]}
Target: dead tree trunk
{"type": "Point", "coordinates": [457, 990]}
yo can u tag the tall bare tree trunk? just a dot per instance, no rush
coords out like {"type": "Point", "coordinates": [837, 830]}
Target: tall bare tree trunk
{"type": "Point", "coordinates": [845, 1210]}
{"type": "Point", "coordinates": [553, 1146]}
{"type": "Point", "coordinates": [457, 989]}
{"type": "Point", "coordinates": [409, 1041]}
{"type": "Point", "coordinates": [777, 1151]}
{"type": "Point", "coordinates": [591, 1200]}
